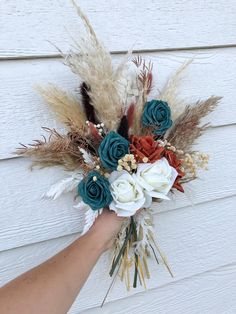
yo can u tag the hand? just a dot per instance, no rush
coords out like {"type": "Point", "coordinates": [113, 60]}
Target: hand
{"type": "Point", "coordinates": [52, 287]}
{"type": "Point", "coordinates": [106, 227]}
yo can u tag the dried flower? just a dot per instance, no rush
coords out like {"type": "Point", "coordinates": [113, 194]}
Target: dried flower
{"type": "Point", "coordinates": [128, 163]}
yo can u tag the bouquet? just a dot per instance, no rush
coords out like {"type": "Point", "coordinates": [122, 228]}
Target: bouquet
{"type": "Point", "coordinates": [123, 150]}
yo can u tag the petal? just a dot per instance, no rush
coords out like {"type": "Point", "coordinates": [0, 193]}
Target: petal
{"type": "Point", "coordinates": [158, 195]}
{"type": "Point", "coordinates": [148, 200]}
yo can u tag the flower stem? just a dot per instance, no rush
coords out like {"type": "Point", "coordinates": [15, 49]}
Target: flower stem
{"type": "Point", "coordinates": [116, 261]}
{"type": "Point", "coordinates": [133, 224]}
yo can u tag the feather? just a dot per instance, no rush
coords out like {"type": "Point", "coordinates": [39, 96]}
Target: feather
{"type": "Point", "coordinates": [90, 217]}
{"type": "Point", "coordinates": [63, 186]}
{"type": "Point", "coordinates": [88, 158]}
{"type": "Point", "coordinates": [80, 205]}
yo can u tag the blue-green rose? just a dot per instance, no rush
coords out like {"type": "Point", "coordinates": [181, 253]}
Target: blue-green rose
{"type": "Point", "coordinates": [157, 114]}
{"type": "Point", "coordinates": [94, 190]}
{"type": "Point", "coordinates": [112, 148]}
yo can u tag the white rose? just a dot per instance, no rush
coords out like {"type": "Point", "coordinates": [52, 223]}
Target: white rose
{"type": "Point", "coordinates": [128, 196]}
{"type": "Point", "coordinates": [157, 178]}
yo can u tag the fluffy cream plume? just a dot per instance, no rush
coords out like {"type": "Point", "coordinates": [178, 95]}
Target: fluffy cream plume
{"type": "Point", "coordinates": [65, 106]}
{"type": "Point", "coordinates": [187, 128]}
{"type": "Point", "coordinates": [170, 92]}
{"type": "Point", "coordinates": [93, 63]}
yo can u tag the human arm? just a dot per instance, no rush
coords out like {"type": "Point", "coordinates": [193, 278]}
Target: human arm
{"type": "Point", "coordinates": [52, 287]}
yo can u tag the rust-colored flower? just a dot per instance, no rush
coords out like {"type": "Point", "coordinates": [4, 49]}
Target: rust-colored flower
{"type": "Point", "coordinates": [175, 163]}
{"type": "Point", "coordinates": [145, 147]}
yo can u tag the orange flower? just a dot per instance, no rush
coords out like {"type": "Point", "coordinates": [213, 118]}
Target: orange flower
{"type": "Point", "coordinates": [175, 163]}
{"type": "Point", "coordinates": [145, 147]}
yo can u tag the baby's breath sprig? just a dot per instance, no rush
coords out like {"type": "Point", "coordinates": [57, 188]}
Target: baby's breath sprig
{"type": "Point", "coordinates": [100, 128]}
{"type": "Point", "coordinates": [128, 163]}
{"type": "Point", "coordinates": [169, 146]}
{"type": "Point", "coordinates": [194, 161]}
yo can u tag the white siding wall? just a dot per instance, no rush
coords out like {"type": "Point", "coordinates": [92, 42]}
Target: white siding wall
{"type": "Point", "coordinates": [197, 230]}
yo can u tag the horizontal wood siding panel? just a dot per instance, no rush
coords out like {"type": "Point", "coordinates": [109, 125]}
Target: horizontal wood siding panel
{"type": "Point", "coordinates": [30, 28]}
{"type": "Point", "coordinates": [195, 240]}
{"type": "Point", "coordinates": [209, 293]}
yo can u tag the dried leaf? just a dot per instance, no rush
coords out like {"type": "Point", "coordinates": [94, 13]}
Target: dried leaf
{"type": "Point", "coordinates": [145, 78]}
{"type": "Point", "coordinates": [187, 127]}
{"type": "Point", "coordinates": [56, 150]}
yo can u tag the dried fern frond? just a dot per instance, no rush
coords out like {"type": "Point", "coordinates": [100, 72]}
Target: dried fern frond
{"type": "Point", "coordinates": [93, 63]}
{"type": "Point", "coordinates": [145, 78]}
{"type": "Point", "coordinates": [56, 150]}
{"type": "Point", "coordinates": [186, 128]}
{"type": "Point", "coordinates": [145, 75]}
{"type": "Point", "coordinates": [65, 106]}
{"type": "Point", "coordinates": [170, 92]}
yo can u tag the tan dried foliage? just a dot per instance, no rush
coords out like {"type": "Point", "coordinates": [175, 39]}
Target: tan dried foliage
{"type": "Point", "coordinates": [170, 92]}
{"type": "Point", "coordinates": [187, 128]}
{"type": "Point", "coordinates": [67, 108]}
{"type": "Point", "coordinates": [145, 78]}
{"type": "Point", "coordinates": [56, 150]}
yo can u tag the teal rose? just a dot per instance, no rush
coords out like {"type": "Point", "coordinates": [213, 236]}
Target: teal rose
{"type": "Point", "coordinates": [157, 114]}
{"type": "Point", "coordinates": [94, 190]}
{"type": "Point", "coordinates": [112, 148]}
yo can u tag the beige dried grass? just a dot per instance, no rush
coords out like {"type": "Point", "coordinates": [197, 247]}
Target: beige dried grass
{"type": "Point", "coordinates": [170, 92]}
{"type": "Point", "coordinates": [187, 128]}
{"type": "Point", "coordinates": [145, 79]}
{"type": "Point", "coordinates": [67, 108]}
{"type": "Point", "coordinates": [56, 150]}
{"type": "Point", "coordinates": [93, 63]}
